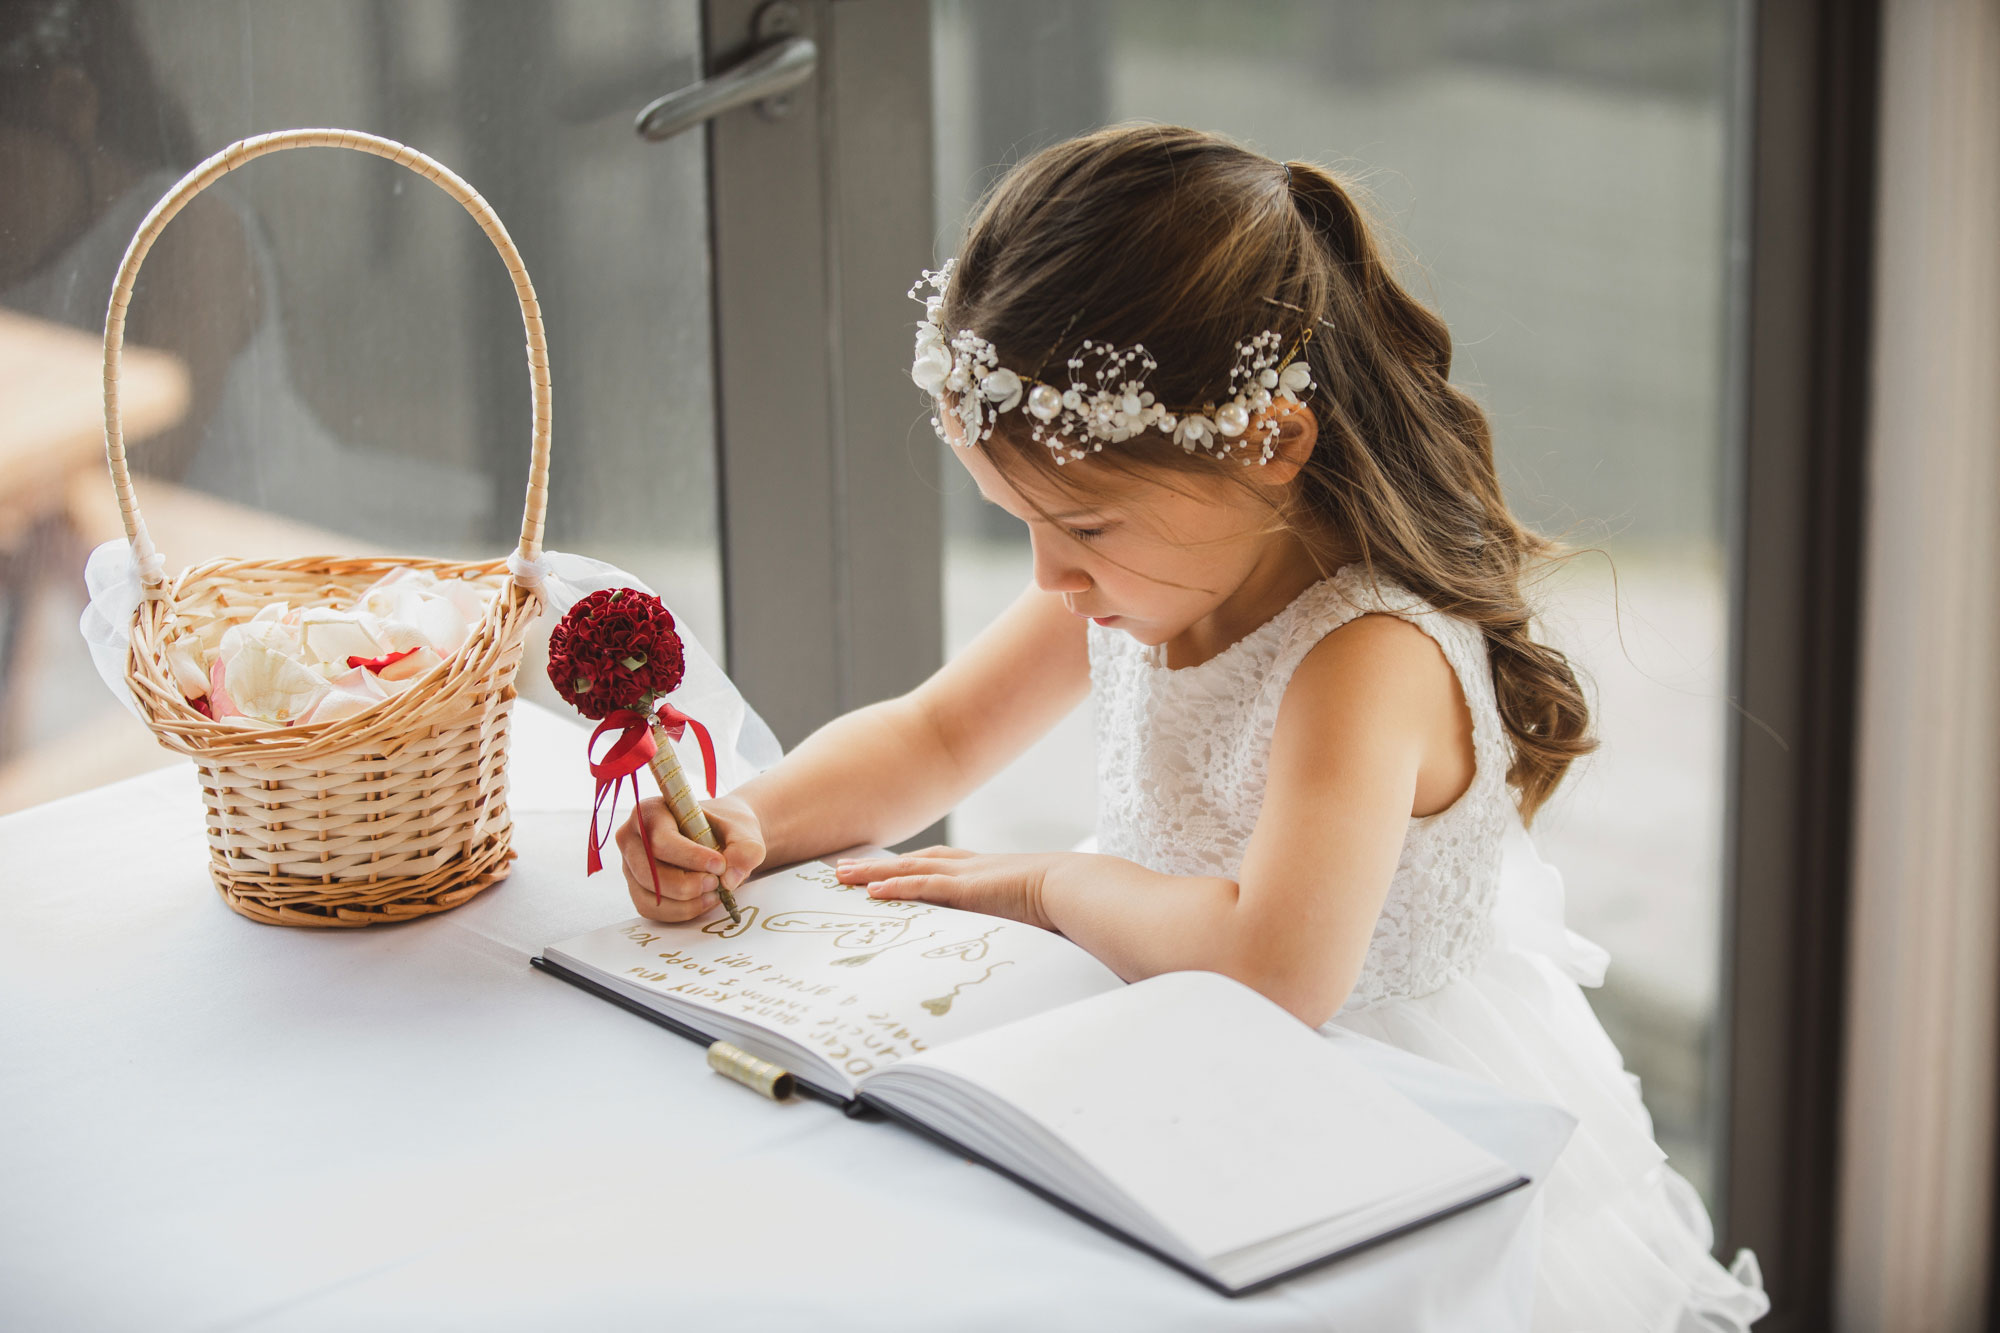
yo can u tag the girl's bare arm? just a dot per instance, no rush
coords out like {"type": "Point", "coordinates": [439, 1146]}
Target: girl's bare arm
{"type": "Point", "coordinates": [883, 773]}
{"type": "Point", "coordinates": [1370, 718]}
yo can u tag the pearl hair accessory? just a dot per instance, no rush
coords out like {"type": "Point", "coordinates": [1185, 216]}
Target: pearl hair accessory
{"type": "Point", "coordinates": [1116, 407]}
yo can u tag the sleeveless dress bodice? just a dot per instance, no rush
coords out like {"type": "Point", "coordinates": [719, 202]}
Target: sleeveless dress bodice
{"type": "Point", "coordinates": [1183, 755]}
{"type": "Point", "coordinates": [1470, 963]}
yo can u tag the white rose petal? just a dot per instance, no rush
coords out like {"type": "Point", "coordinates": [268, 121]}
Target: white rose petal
{"type": "Point", "coordinates": [401, 673]}
{"type": "Point", "coordinates": [271, 686]}
{"type": "Point", "coordinates": [331, 637]}
{"type": "Point", "coordinates": [387, 594]}
{"type": "Point", "coordinates": [413, 618]}
{"type": "Point", "coordinates": [472, 599]}
{"type": "Point", "coordinates": [352, 692]}
{"type": "Point", "coordinates": [443, 627]}
{"type": "Point", "coordinates": [336, 706]}
{"type": "Point", "coordinates": [189, 677]}
{"type": "Point", "coordinates": [400, 636]}
{"type": "Point", "coordinates": [267, 635]}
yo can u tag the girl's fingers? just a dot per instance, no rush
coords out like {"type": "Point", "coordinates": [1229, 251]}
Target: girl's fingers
{"type": "Point", "coordinates": [671, 910]}
{"type": "Point", "coordinates": [677, 869]}
{"type": "Point", "coordinates": [671, 845]}
{"type": "Point", "coordinates": [929, 888]}
{"type": "Point", "coordinates": [739, 860]}
{"type": "Point", "coordinates": [684, 868]}
{"type": "Point", "coordinates": [674, 882]}
{"type": "Point", "coordinates": [742, 850]}
{"type": "Point", "coordinates": [916, 863]}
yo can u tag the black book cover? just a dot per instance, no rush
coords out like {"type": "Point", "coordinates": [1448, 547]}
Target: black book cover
{"type": "Point", "coordinates": [862, 1105]}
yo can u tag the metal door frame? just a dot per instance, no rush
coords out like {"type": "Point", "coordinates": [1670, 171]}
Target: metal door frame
{"type": "Point", "coordinates": [830, 520]}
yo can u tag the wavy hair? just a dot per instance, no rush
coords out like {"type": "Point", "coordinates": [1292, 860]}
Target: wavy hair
{"type": "Point", "coordinates": [1187, 242]}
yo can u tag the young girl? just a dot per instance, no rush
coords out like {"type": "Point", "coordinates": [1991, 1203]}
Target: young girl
{"type": "Point", "coordinates": [1269, 538]}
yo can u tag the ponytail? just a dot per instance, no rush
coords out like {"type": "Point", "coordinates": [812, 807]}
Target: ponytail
{"type": "Point", "coordinates": [1411, 478]}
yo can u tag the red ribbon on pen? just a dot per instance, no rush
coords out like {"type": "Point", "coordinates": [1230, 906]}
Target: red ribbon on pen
{"type": "Point", "coordinates": [673, 721]}
{"type": "Point", "coordinates": [632, 751]}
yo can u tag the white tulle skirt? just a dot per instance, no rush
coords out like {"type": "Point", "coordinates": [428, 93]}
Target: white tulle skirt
{"type": "Point", "coordinates": [1625, 1238]}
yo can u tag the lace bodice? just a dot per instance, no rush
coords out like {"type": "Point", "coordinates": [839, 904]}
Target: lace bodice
{"type": "Point", "coordinates": [1182, 757]}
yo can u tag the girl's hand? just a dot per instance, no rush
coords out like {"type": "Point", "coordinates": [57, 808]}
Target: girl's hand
{"type": "Point", "coordinates": [687, 871]}
{"type": "Point", "coordinates": [1007, 884]}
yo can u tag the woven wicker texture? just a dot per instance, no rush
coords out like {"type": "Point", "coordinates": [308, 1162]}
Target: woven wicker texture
{"type": "Point", "coordinates": [395, 812]}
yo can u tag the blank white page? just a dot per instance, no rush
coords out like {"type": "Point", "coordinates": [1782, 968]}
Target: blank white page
{"type": "Point", "coordinates": [1215, 1109]}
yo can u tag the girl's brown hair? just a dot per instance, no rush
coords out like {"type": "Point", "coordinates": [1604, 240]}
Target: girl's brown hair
{"type": "Point", "coordinates": [1187, 242]}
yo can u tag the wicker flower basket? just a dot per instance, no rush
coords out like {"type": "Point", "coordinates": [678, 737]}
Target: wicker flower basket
{"type": "Point", "coordinates": [392, 813]}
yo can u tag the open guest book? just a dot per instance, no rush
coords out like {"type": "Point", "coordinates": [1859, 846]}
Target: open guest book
{"type": "Point", "coordinates": [1186, 1113]}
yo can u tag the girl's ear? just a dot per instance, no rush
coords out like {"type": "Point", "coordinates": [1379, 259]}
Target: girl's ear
{"type": "Point", "coordinates": [1298, 431]}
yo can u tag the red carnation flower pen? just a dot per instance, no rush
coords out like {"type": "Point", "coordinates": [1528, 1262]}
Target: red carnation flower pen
{"type": "Point", "coordinates": [615, 657]}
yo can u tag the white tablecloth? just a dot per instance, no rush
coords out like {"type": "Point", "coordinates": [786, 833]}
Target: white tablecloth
{"type": "Point", "coordinates": [209, 1123]}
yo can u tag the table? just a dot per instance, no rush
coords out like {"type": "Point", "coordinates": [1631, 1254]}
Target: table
{"type": "Point", "coordinates": [211, 1123]}
{"type": "Point", "coordinates": [51, 434]}
{"type": "Point", "coordinates": [52, 382]}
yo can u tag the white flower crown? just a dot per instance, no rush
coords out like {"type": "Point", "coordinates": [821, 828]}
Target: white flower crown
{"type": "Point", "coordinates": [1117, 406]}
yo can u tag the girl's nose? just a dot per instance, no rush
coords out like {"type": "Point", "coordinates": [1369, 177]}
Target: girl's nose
{"type": "Point", "coordinates": [1054, 571]}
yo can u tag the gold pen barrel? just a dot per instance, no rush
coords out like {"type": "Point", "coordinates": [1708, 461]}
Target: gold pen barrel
{"type": "Point", "coordinates": [679, 794]}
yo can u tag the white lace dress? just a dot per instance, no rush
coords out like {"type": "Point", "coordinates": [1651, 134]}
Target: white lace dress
{"type": "Point", "coordinates": [1470, 963]}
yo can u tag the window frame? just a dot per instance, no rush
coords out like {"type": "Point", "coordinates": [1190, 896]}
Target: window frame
{"type": "Point", "coordinates": [1794, 515]}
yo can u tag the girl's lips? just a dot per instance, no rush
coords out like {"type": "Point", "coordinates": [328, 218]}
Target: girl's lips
{"type": "Point", "coordinates": [1103, 620]}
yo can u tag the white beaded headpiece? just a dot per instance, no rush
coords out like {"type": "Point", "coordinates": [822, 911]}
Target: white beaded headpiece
{"type": "Point", "coordinates": [1115, 404]}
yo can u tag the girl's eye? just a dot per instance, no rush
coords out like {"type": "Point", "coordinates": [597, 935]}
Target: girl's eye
{"type": "Point", "coordinates": [1086, 534]}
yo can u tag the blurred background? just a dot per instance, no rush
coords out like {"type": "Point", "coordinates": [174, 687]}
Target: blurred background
{"type": "Point", "coordinates": [327, 357]}
{"type": "Point", "coordinates": [1559, 175]}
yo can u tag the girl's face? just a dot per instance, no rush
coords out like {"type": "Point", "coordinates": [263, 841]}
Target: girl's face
{"type": "Point", "coordinates": [1212, 547]}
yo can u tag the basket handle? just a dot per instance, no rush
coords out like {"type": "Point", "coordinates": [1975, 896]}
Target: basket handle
{"type": "Point", "coordinates": [152, 568]}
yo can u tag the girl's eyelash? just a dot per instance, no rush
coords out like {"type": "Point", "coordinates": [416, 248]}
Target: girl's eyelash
{"type": "Point", "coordinates": [1086, 534]}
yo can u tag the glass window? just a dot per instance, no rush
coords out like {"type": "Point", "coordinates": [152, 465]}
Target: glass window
{"type": "Point", "coordinates": [352, 342]}
{"type": "Point", "coordinates": [1558, 175]}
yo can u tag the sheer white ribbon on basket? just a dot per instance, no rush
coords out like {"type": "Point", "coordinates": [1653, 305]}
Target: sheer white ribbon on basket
{"type": "Point", "coordinates": [745, 744]}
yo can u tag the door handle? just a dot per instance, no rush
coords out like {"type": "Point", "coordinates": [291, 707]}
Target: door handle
{"type": "Point", "coordinates": [760, 77]}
